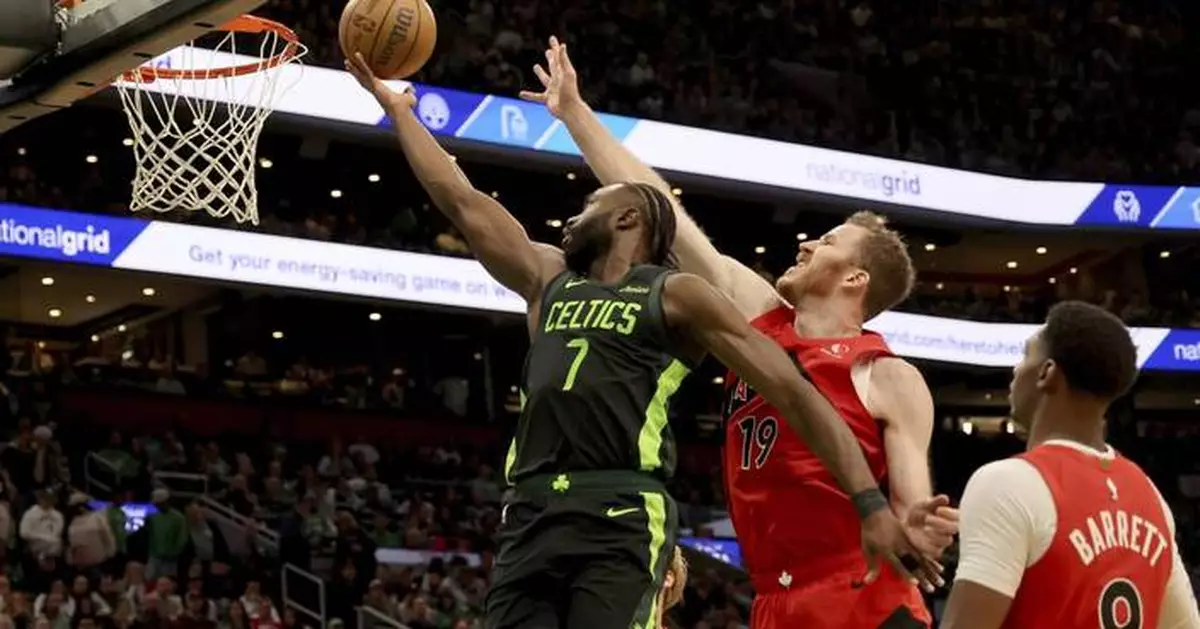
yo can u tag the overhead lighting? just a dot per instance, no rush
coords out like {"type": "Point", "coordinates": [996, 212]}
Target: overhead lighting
{"type": "Point", "coordinates": [335, 193]}
{"type": "Point", "coordinates": [91, 299]}
{"type": "Point", "coordinates": [127, 141]}
{"type": "Point", "coordinates": [554, 222]}
{"type": "Point", "coordinates": [127, 354]}
{"type": "Point", "coordinates": [21, 151]}
{"type": "Point", "coordinates": [374, 316]}
{"type": "Point", "coordinates": [1012, 264]}
{"type": "Point", "coordinates": [91, 159]}
{"type": "Point", "coordinates": [940, 286]}
{"type": "Point", "coordinates": [265, 163]}
{"type": "Point", "coordinates": [968, 427]}
{"type": "Point", "coordinates": [1007, 288]}
{"type": "Point", "coordinates": [802, 236]}
{"type": "Point", "coordinates": [54, 313]}
{"type": "Point", "coordinates": [677, 191]}
{"type": "Point", "coordinates": [1009, 428]}
{"type": "Point", "coordinates": [570, 176]}
{"type": "Point", "coordinates": [41, 344]}
{"type": "Point", "coordinates": [149, 292]}
{"type": "Point", "coordinates": [122, 328]}
{"type": "Point", "coordinates": [95, 338]}
{"type": "Point", "coordinates": [719, 380]}
{"type": "Point", "coordinates": [495, 194]}
{"type": "Point", "coordinates": [477, 356]}
{"type": "Point", "coordinates": [1164, 254]}
{"type": "Point", "coordinates": [760, 250]}
{"type": "Point", "coordinates": [47, 281]}
{"type": "Point", "coordinates": [373, 178]}
{"type": "Point", "coordinates": [929, 246]}
{"type": "Point", "coordinates": [1054, 280]}
{"type": "Point", "coordinates": [1073, 270]}
{"type": "Point", "coordinates": [1041, 251]}
{"type": "Point", "coordinates": [277, 335]}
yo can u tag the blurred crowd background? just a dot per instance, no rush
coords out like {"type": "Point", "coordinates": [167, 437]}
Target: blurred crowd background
{"type": "Point", "coordinates": [322, 472]}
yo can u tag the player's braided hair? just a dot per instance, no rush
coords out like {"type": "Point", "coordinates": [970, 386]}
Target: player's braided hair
{"type": "Point", "coordinates": [660, 215]}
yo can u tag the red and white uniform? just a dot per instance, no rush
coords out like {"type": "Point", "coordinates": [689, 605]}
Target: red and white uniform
{"type": "Point", "coordinates": [1079, 539]}
{"type": "Point", "coordinates": [799, 534]}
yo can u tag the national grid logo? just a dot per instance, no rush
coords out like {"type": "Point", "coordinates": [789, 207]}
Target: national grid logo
{"type": "Point", "coordinates": [69, 242]}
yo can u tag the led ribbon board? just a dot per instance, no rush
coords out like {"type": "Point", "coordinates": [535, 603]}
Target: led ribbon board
{"type": "Point", "coordinates": [334, 95]}
{"type": "Point", "coordinates": [294, 263]}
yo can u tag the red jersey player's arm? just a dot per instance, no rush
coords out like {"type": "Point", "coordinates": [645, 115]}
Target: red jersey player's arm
{"type": "Point", "coordinates": [496, 238]}
{"type": "Point", "coordinates": [897, 395]}
{"type": "Point", "coordinates": [1179, 610]}
{"type": "Point", "coordinates": [1007, 522]}
{"type": "Point", "coordinates": [705, 317]}
{"type": "Point", "coordinates": [613, 163]}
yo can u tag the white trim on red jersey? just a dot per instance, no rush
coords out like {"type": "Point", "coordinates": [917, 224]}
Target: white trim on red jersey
{"type": "Point", "coordinates": [1008, 520]}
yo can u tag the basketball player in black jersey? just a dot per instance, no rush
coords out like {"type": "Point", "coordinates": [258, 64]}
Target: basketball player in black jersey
{"type": "Point", "coordinates": [590, 532]}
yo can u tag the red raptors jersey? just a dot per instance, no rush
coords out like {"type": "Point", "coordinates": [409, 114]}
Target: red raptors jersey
{"type": "Point", "coordinates": [1110, 558]}
{"type": "Point", "coordinates": [794, 523]}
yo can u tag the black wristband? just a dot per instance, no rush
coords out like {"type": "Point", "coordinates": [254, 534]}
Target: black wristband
{"type": "Point", "coordinates": [868, 501]}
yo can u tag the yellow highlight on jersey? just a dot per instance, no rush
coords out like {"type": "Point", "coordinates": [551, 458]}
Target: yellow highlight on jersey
{"type": "Point", "coordinates": [593, 314]}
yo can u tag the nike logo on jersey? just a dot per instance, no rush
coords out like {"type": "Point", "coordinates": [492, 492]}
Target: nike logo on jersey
{"type": "Point", "coordinates": [574, 283]}
{"type": "Point", "coordinates": [614, 512]}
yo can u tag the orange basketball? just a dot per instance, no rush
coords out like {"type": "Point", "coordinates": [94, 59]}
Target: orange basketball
{"type": "Point", "coordinates": [396, 37]}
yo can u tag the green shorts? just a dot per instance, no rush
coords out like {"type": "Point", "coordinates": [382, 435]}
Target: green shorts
{"type": "Point", "coordinates": [583, 550]}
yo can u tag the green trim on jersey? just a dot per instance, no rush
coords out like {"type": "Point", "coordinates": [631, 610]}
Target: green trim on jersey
{"type": "Point", "coordinates": [510, 459]}
{"type": "Point", "coordinates": [646, 616]}
{"type": "Point", "coordinates": [650, 439]}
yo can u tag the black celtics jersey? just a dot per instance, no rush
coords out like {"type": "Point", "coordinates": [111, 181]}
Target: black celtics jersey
{"type": "Point", "coordinates": [597, 380]}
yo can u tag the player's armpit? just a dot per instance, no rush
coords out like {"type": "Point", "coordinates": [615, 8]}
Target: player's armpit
{"type": "Point", "coordinates": [705, 316]}
{"type": "Point", "coordinates": [974, 606]}
{"type": "Point", "coordinates": [496, 238]}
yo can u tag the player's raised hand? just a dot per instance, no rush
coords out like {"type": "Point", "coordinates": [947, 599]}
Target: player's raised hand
{"type": "Point", "coordinates": [560, 83]}
{"type": "Point", "coordinates": [388, 98]}
{"type": "Point", "coordinates": [884, 537]}
{"type": "Point", "coordinates": [931, 525]}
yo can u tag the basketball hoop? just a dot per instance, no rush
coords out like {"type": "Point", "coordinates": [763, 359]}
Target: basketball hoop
{"type": "Point", "coordinates": [201, 156]}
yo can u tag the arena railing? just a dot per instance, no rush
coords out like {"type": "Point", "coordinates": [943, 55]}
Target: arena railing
{"type": "Point", "coordinates": [183, 484]}
{"type": "Point", "coordinates": [237, 528]}
{"type": "Point", "coordinates": [94, 463]}
{"type": "Point", "coordinates": [303, 602]}
{"type": "Point", "coordinates": [369, 618]}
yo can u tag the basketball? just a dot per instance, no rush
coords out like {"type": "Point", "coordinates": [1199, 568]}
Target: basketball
{"type": "Point", "coordinates": [396, 37]}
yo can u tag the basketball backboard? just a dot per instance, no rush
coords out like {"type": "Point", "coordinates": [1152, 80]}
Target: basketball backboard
{"type": "Point", "coordinates": [52, 55]}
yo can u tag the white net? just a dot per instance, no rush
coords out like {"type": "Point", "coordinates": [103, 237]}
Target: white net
{"type": "Point", "coordinates": [195, 132]}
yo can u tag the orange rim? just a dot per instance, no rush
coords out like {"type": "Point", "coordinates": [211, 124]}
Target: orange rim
{"type": "Point", "coordinates": [249, 24]}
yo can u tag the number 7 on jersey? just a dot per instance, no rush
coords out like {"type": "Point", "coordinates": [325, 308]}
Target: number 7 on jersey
{"type": "Point", "coordinates": [580, 345]}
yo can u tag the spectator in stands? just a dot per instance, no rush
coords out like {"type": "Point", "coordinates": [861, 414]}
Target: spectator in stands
{"type": "Point", "coordinates": [205, 545]}
{"type": "Point", "coordinates": [91, 538]}
{"type": "Point", "coordinates": [85, 602]}
{"type": "Point", "coordinates": [42, 529]}
{"type": "Point", "coordinates": [167, 536]}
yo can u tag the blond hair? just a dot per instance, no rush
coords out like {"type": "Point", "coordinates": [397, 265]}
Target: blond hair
{"type": "Point", "coordinates": [884, 257]}
{"type": "Point", "coordinates": [679, 572]}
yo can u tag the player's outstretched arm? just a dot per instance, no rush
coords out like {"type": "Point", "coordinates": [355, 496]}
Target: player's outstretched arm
{"type": "Point", "coordinates": [495, 236]}
{"type": "Point", "coordinates": [709, 319]}
{"type": "Point", "coordinates": [613, 163]}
